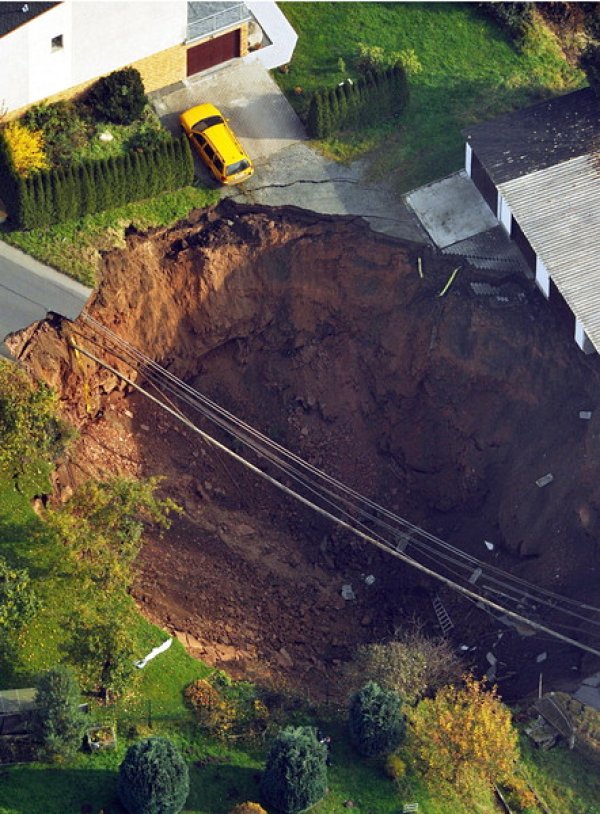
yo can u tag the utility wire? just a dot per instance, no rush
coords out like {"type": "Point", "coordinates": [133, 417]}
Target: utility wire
{"type": "Point", "coordinates": [343, 523]}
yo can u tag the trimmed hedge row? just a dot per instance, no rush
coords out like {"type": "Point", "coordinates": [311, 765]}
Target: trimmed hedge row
{"type": "Point", "coordinates": [69, 193]}
{"type": "Point", "coordinates": [375, 96]}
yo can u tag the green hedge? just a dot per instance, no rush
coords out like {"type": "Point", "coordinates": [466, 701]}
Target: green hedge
{"type": "Point", "coordinates": [69, 193]}
{"type": "Point", "coordinates": [375, 96]}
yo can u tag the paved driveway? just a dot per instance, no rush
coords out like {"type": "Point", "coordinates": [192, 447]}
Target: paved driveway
{"type": "Point", "coordinates": [288, 170]}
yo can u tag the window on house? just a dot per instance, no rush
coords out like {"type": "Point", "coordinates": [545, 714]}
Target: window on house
{"type": "Point", "coordinates": [57, 43]}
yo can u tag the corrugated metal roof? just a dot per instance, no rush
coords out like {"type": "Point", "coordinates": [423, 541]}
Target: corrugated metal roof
{"type": "Point", "coordinates": [537, 137]}
{"type": "Point", "coordinates": [558, 208]}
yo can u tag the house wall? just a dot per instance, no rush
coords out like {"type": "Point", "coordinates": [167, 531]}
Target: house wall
{"type": "Point", "coordinates": [542, 278]}
{"type": "Point", "coordinates": [98, 37]}
{"type": "Point", "coordinates": [582, 339]}
{"type": "Point", "coordinates": [504, 213]}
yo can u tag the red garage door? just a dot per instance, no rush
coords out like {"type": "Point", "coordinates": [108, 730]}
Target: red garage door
{"type": "Point", "coordinates": [203, 56]}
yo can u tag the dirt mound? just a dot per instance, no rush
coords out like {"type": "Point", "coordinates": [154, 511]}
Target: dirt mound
{"type": "Point", "coordinates": [323, 335]}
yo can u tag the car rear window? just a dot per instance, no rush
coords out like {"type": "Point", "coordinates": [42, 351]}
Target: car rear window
{"type": "Point", "coordinates": [237, 167]}
{"type": "Point", "coordinates": [204, 124]}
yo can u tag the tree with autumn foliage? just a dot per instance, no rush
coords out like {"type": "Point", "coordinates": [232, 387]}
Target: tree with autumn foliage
{"type": "Point", "coordinates": [464, 737]}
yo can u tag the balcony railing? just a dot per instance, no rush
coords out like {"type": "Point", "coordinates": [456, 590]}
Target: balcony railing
{"type": "Point", "coordinates": [218, 21]}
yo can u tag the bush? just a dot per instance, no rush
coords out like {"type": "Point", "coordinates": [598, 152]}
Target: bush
{"type": "Point", "coordinates": [376, 722]}
{"type": "Point", "coordinates": [375, 96]}
{"type": "Point", "coordinates": [118, 97]}
{"type": "Point", "coordinates": [409, 61]}
{"type": "Point", "coordinates": [514, 18]}
{"type": "Point", "coordinates": [370, 58]}
{"type": "Point", "coordinates": [248, 808]}
{"type": "Point", "coordinates": [228, 709]}
{"type": "Point", "coordinates": [395, 767]}
{"type": "Point", "coordinates": [26, 149]}
{"type": "Point", "coordinates": [18, 602]}
{"type": "Point", "coordinates": [591, 20]}
{"type": "Point", "coordinates": [64, 129]}
{"type": "Point", "coordinates": [590, 64]}
{"type": "Point", "coordinates": [295, 777]}
{"type": "Point", "coordinates": [412, 665]}
{"type": "Point", "coordinates": [57, 722]}
{"type": "Point", "coordinates": [153, 778]}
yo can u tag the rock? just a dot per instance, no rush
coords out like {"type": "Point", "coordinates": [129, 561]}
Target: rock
{"type": "Point", "coordinates": [244, 530]}
{"type": "Point", "coordinates": [145, 427]}
{"type": "Point", "coordinates": [367, 619]}
{"type": "Point", "coordinates": [106, 137]}
{"type": "Point", "coordinates": [128, 413]}
{"type": "Point", "coordinates": [284, 658]}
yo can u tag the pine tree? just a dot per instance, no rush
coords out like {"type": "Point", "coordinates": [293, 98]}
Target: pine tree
{"type": "Point", "coordinates": [187, 163]}
{"type": "Point", "coordinates": [153, 778]}
{"type": "Point", "coordinates": [295, 777]}
{"type": "Point", "coordinates": [88, 190]}
{"type": "Point", "coordinates": [342, 106]}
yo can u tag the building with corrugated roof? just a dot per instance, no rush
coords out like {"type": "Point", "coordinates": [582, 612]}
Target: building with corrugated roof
{"type": "Point", "coordinates": [538, 169]}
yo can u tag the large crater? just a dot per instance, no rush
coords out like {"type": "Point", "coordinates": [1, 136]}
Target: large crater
{"type": "Point", "coordinates": [323, 335]}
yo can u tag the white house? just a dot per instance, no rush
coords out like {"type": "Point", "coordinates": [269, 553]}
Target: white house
{"type": "Point", "coordinates": [56, 50]}
{"type": "Point", "coordinates": [538, 170]}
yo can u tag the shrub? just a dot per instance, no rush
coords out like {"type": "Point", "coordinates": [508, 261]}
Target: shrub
{"type": "Point", "coordinates": [591, 20]}
{"type": "Point", "coordinates": [590, 64]}
{"type": "Point", "coordinates": [395, 767]}
{"type": "Point", "coordinates": [376, 721]}
{"type": "Point", "coordinates": [57, 722]}
{"type": "Point", "coordinates": [409, 61]}
{"type": "Point", "coordinates": [514, 18]}
{"type": "Point", "coordinates": [153, 778]}
{"type": "Point", "coordinates": [63, 127]}
{"type": "Point", "coordinates": [295, 777]}
{"type": "Point", "coordinates": [118, 97]}
{"type": "Point", "coordinates": [376, 95]}
{"type": "Point", "coordinates": [148, 135]}
{"type": "Point", "coordinates": [370, 58]}
{"type": "Point", "coordinates": [231, 709]}
{"type": "Point", "coordinates": [412, 665]}
{"type": "Point", "coordinates": [26, 148]}
{"type": "Point", "coordinates": [248, 808]}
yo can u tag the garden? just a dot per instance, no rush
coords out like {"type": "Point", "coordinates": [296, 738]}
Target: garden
{"type": "Point", "coordinates": [75, 174]}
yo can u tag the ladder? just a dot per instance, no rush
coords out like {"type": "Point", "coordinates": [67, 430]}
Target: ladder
{"type": "Point", "coordinates": [444, 620]}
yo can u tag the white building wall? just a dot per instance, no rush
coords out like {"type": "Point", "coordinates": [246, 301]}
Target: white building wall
{"type": "Point", "coordinates": [468, 158]}
{"type": "Point", "coordinates": [504, 213]}
{"type": "Point", "coordinates": [98, 37]}
{"type": "Point", "coordinates": [542, 278]}
{"type": "Point", "coordinates": [582, 339]}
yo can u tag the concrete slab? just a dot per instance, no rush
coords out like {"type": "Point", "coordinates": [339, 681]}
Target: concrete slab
{"type": "Point", "coordinates": [260, 115]}
{"type": "Point", "coordinates": [451, 210]}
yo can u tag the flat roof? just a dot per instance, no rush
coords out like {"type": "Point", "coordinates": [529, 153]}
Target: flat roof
{"type": "Point", "coordinates": [558, 208]}
{"type": "Point", "coordinates": [14, 15]}
{"type": "Point", "coordinates": [537, 137]}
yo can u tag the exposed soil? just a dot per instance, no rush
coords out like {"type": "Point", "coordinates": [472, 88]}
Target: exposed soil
{"type": "Point", "coordinates": [322, 334]}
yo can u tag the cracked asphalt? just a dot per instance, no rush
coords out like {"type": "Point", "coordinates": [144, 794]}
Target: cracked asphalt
{"type": "Point", "coordinates": [289, 171]}
{"type": "Point", "coordinates": [300, 176]}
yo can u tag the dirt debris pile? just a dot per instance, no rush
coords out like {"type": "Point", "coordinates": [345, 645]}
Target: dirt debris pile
{"type": "Point", "coordinates": [323, 335]}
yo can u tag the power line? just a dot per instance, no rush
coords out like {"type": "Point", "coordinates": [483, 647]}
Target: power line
{"type": "Point", "coordinates": [383, 545]}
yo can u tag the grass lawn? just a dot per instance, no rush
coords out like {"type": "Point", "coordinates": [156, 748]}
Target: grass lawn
{"type": "Point", "coordinates": [74, 247]}
{"type": "Point", "coordinates": [470, 72]}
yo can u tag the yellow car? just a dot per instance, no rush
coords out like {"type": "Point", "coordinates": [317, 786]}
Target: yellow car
{"type": "Point", "coordinates": [216, 143]}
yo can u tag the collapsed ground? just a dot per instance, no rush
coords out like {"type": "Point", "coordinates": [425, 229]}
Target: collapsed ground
{"type": "Point", "coordinates": [323, 335]}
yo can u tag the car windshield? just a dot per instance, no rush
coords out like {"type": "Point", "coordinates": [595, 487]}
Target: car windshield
{"type": "Point", "coordinates": [232, 169]}
{"type": "Point", "coordinates": [204, 124]}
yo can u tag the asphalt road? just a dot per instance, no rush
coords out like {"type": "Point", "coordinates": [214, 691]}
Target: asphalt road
{"type": "Point", "coordinates": [29, 290]}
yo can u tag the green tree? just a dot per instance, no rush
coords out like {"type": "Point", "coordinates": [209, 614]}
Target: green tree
{"type": "Point", "coordinates": [31, 433]}
{"type": "Point", "coordinates": [295, 777]}
{"type": "Point", "coordinates": [118, 97]}
{"type": "Point", "coordinates": [376, 722]}
{"type": "Point", "coordinates": [101, 525]}
{"type": "Point", "coordinates": [153, 778]}
{"type": "Point", "coordinates": [58, 723]}
{"type": "Point", "coordinates": [102, 647]}
{"type": "Point", "coordinates": [18, 602]}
